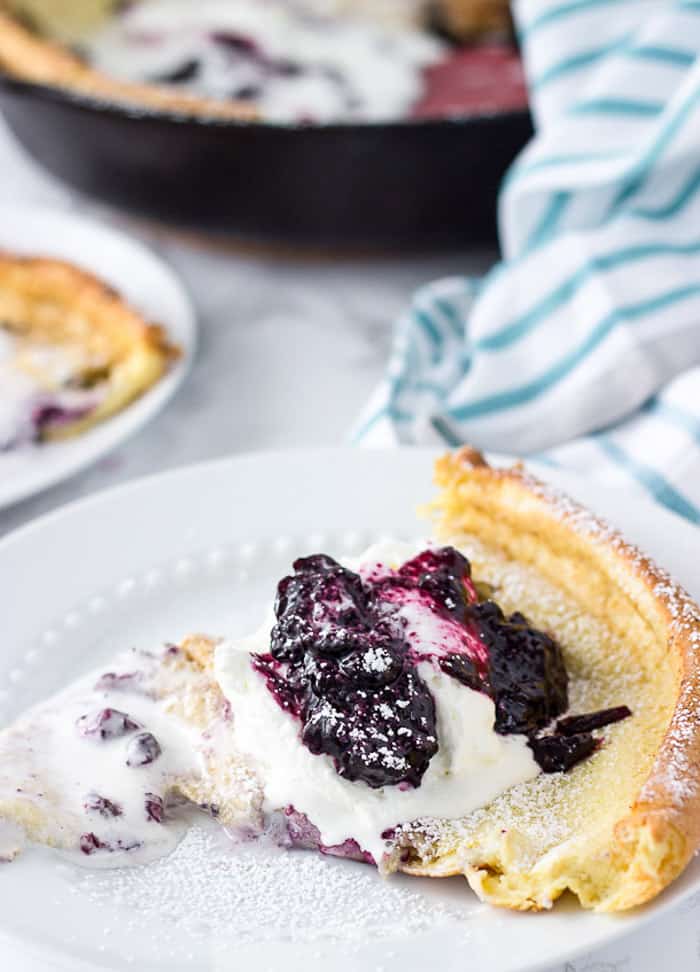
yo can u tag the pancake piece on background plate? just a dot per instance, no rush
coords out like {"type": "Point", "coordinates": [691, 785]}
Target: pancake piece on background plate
{"type": "Point", "coordinates": [515, 701]}
{"type": "Point", "coordinates": [72, 351]}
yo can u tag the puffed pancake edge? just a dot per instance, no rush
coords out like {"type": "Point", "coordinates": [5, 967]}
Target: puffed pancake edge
{"type": "Point", "coordinates": [650, 844]}
{"type": "Point", "coordinates": [30, 57]}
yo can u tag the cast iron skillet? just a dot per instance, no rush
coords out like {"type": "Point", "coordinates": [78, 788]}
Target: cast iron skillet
{"type": "Point", "coordinates": [405, 184]}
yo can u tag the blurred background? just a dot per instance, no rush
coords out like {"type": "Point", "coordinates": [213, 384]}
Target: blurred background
{"type": "Point", "coordinates": [357, 156]}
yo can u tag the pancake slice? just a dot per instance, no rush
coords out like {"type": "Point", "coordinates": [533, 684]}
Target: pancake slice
{"type": "Point", "coordinates": [614, 829]}
{"type": "Point", "coordinates": [622, 825]}
{"type": "Point", "coordinates": [72, 351]}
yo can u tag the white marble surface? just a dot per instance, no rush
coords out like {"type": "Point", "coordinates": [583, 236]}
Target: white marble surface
{"type": "Point", "coordinates": [291, 345]}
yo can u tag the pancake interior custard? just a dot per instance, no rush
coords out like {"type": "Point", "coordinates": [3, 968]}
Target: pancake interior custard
{"type": "Point", "coordinates": [515, 701]}
{"type": "Point", "coordinates": [72, 352]}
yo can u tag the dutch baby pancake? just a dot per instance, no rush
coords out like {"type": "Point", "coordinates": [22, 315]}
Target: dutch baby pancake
{"type": "Point", "coordinates": [72, 351]}
{"type": "Point", "coordinates": [514, 700]}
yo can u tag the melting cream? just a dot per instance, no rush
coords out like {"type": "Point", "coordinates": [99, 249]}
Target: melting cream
{"type": "Point", "coordinates": [106, 798]}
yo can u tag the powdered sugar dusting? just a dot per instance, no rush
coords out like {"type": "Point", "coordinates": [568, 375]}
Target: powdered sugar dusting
{"type": "Point", "coordinates": [585, 523]}
{"type": "Point", "coordinates": [678, 775]}
{"type": "Point", "coordinates": [251, 893]}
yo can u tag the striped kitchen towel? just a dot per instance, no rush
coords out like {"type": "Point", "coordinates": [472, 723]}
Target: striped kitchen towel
{"type": "Point", "coordinates": [582, 347]}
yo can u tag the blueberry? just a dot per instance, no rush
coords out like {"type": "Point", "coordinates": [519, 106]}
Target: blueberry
{"type": "Point", "coordinates": [89, 843]}
{"type": "Point", "coordinates": [125, 845]}
{"type": "Point", "coordinates": [488, 613]}
{"type": "Point", "coordinates": [155, 807]}
{"type": "Point", "coordinates": [526, 672]}
{"type": "Point", "coordinates": [187, 71]}
{"type": "Point", "coordinates": [247, 92]}
{"type": "Point", "coordinates": [237, 43]}
{"type": "Point", "coordinates": [322, 675]}
{"type": "Point", "coordinates": [382, 737]}
{"type": "Point", "coordinates": [445, 560]}
{"type": "Point", "coordinates": [51, 413]}
{"type": "Point", "coordinates": [321, 607]}
{"type": "Point", "coordinates": [346, 676]}
{"type": "Point", "coordinates": [111, 682]}
{"type": "Point", "coordinates": [106, 724]}
{"type": "Point", "coordinates": [573, 725]}
{"type": "Point", "coordinates": [376, 665]}
{"type": "Point", "coordinates": [287, 69]}
{"type": "Point", "coordinates": [94, 803]}
{"type": "Point", "coordinates": [314, 564]}
{"type": "Point", "coordinates": [557, 754]}
{"type": "Point", "coordinates": [213, 809]}
{"type": "Point", "coordinates": [463, 669]}
{"type": "Point", "coordinates": [441, 574]}
{"type": "Point", "coordinates": [142, 750]}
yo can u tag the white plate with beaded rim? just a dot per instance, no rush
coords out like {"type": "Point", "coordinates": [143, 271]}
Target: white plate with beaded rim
{"type": "Point", "coordinates": [139, 276]}
{"type": "Point", "coordinates": [201, 549]}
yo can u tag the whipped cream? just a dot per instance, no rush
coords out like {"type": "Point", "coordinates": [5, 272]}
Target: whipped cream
{"type": "Point", "coordinates": [295, 62]}
{"type": "Point", "coordinates": [93, 767]}
{"type": "Point", "coordinates": [472, 766]}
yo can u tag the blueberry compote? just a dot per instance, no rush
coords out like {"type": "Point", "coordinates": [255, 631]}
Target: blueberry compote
{"type": "Point", "coordinates": [339, 662]}
{"type": "Point", "coordinates": [344, 656]}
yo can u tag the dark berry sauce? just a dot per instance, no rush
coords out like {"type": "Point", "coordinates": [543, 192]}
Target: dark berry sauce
{"type": "Point", "coordinates": [300, 832]}
{"type": "Point", "coordinates": [526, 675]}
{"type": "Point", "coordinates": [340, 664]}
{"type": "Point", "coordinates": [344, 654]}
{"type": "Point", "coordinates": [573, 725]}
{"type": "Point", "coordinates": [51, 415]}
{"type": "Point", "coordinates": [112, 682]}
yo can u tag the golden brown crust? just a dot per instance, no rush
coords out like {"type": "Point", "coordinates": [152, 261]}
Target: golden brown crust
{"type": "Point", "coordinates": [657, 834]}
{"type": "Point", "coordinates": [472, 18]}
{"type": "Point", "coordinates": [28, 57]}
{"type": "Point", "coordinates": [50, 302]}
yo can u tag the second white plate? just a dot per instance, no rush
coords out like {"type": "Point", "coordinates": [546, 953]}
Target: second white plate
{"type": "Point", "coordinates": [139, 276]}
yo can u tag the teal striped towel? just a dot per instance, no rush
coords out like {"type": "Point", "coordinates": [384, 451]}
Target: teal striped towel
{"type": "Point", "coordinates": [582, 347]}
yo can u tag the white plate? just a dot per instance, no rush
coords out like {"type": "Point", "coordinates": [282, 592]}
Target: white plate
{"type": "Point", "coordinates": [139, 276]}
{"type": "Point", "coordinates": [201, 549]}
